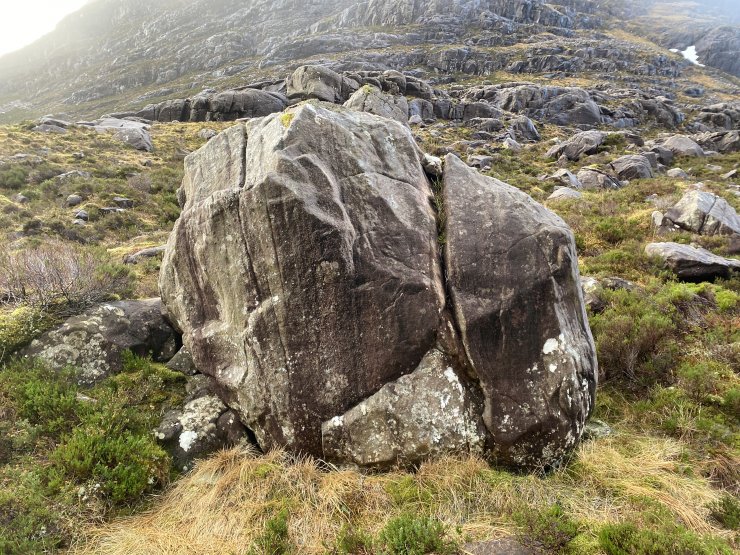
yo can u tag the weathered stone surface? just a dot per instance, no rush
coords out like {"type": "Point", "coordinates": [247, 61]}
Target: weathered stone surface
{"type": "Point", "coordinates": [305, 275]}
{"type": "Point", "coordinates": [586, 142]}
{"type": "Point", "coordinates": [692, 263]}
{"type": "Point", "coordinates": [143, 254]}
{"type": "Point", "coordinates": [321, 83]}
{"type": "Point", "coordinates": [374, 101]}
{"type": "Point", "coordinates": [523, 129]}
{"type": "Point", "coordinates": [424, 414]}
{"type": "Point", "coordinates": [564, 193]}
{"type": "Point", "coordinates": [591, 178]}
{"type": "Point", "coordinates": [681, 145]}
{"type": "Point", "coordinates": [516, 294]}
{"type": "Point", "coordinates": [94, 341]}
{"type": "Point", "coordinates": [133, 133]}
{"type": "Point", "coordinates": [632, 166]}
{"type": "Point", "coordinates": [291, 285]}
{"type": "Point", "coordinates": [723, 141]}
{"type": "Point", "coordinates": [704, 213]}
{"type": "Point", "coordinates": [183, 362]}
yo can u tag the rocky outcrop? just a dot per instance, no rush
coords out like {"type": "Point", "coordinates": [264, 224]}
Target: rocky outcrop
{"type": "Point", "coordinates": [692, 263]}
{"type": "Point", "coordinates": [94, 341]}
{"type": "Point", "coordinates": [305, 275]}
{"type": "Point", "coordinates": [704, 213]}
{"type": "Point", "coordinates": [681, 145]}
{"type": "Point", "coordinates": [592, 178]}
{"type": "Point", "coordinates": [721, 141]}
{"type": "Point", "coordinates": [131, 132]}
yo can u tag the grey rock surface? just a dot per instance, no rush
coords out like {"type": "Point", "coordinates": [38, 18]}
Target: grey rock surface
{"type": "Point", "coordinates": [94, 341]}
{"type": "Point", "coordinates": [704, 213]}
{"type": "Point", "coordinates": [632, 166]}
{"type": "Point", "coordinates": [692, 263]}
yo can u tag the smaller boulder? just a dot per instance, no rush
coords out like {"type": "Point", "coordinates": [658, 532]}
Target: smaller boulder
{"type": "Point", "coordinates": [681, 145]}
{"type": "Point", "coordinates": [705, 213]}
{"type": "Point", "coordinates": [564, 193]}
{"type": "Point", "coordinates": [692, 263]}
{"type": "Point", "coordinates": [677, 173]}
{"type": "Point", "coordinates": [73, 200]}
{"type": "Point", "coordinates": [372, 100]}
{"type": "Point", "coordinates": [632, 166]}
{"type": "Point", "coordinates": [586, 142]}
{"type": "Point", "coordinates": [591, 178]}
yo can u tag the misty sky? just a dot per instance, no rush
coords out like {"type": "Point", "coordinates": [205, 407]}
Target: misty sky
{"type": "Point", "coordinates": [24, 21]}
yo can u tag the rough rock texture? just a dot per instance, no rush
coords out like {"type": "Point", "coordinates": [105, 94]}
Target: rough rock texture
{"type": "Point", "coordinates": [591, 178]}
{"type": "Point", "coordinates": [201, 426]}
{"type": "Point", "coordinates": [330, 306]}
{"type": "Point", "coordinates": [582, 143]}
{"type": "Point", "coordinates": [704, 213]}
{"type": "Point", "coordinates": [632, 166]}
{"type": "Point", "coordinates": [681, 145]}
{"type": "Point", "coordinates": [423, 414]}
{"type": "Point", "coordinates": [305, 275]}
{"type": "Point", "coordinates": [133, 133]}
{"type": "Point", "coordinates": [564, 193]}
{"type": "Point", "coordinates": [374, 101]}
{"type": "Point", "coordinates": [519, 308]}
{"type": "Point", "coordinates": [94, 341]}
{"type": "Point", "coordinates": [721, 141]}
{"type": "Point", "coordinates": [692, 263]}
{"type": "Point", "coordinates": [321, 83]}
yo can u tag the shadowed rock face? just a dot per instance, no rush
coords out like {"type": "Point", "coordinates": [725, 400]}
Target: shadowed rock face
{"type": "Point", "coordinates": [306, 277]}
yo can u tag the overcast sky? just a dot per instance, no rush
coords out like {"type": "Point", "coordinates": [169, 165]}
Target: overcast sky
{"type": "Point", "coordinates": [24, 21]}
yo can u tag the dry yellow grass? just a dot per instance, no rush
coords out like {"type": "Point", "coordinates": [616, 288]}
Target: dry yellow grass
{"type": "Point", "coordinates": [224, 504]}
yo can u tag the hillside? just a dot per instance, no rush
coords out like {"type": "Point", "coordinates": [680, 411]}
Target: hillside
{"type": "Point", "coordinates": [391, 276]}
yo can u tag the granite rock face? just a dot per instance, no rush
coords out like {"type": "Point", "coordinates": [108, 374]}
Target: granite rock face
{"type": "Point", "coordinates": [705, 213]}
{"type": "Point", "coordinates": [95, 341]}
{"type": "Point", "coordinates": [692, 263]}
{"type": "Point", "coordinates": [306, 277]}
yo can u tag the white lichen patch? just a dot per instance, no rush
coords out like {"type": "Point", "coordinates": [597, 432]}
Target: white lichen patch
{"type": "Point", "coordinates": [551, 345]}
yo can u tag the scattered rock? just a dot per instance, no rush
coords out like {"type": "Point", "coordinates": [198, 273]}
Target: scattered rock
{"type": "Point", "coordinates": [681, 145]}
{"type": "Point", "coordinates": [705, 214]}
{"type": "Point", "coordinates": [677, 173]}
{"type": "Point", "coordinates": [503, 546]}
{"type": "Point", "coordinates": [565, 193]}
{"type": "Point", "coordinates": [183, 362]}
{"type": "Point", "coordinates": [591, 178]}
{"type": "Point", "coordinates": [82, 215]}
{"type": "Point", "coordinates": [20, 199]}
{"type": "Point", "coordinates": [122, 202]}
{"type": "Point", "coordinates": [632, 166]}
{"type": "Point", "coordinates": [321, 83]}
{"type": "Point", "coordinates": [596, 429]}
{"type": "Point", "coordinates": [567, 179]}
{"type": "Point", "coordinates": [523, 129]}
{"type": "Point", "coordinates": [432, 165]}
{"type": "Point", "coordinates": [586, 142]}
{"type": "Point", "coordinates": [207, 133]}
{"type": "Point", "coordinates": [692, 263]}
{"type": "Point", "coordinates": [73, 200]}
{"type": "Point", "coordinates": [139, 256]}
{"type": "Point", "coordinates": [512, 145]}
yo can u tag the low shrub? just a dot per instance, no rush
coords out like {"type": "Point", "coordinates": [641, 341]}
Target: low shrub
{"type": "Point", "coordinates": [551, 529]}
{"type": "Point", "coordinates": [413, 535]}
{"type": "Point", "coordinates": [630, 539]}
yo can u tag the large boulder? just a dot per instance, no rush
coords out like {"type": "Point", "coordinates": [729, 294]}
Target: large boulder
{"type": "Point", "coordinates": [592, 178]}
{"type": "Point", "coordinates": [321, 83]}
{"type": "Point", "coordinates": [516, 295]}
{"type": "Point", "coordinates": [721, 141]}
{"type": "Point", "coordinates": [692, 263]}
{"type": "Point", "coordinates": [94, 341]}
{"type": "Point", "coordinates": [133, 133]}
{"type": "Point", "coordinates": [306, 277]}
{"type": "Point", "coordinates": [704, 213]}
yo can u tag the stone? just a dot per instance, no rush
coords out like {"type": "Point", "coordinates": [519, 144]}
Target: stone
{"type": "Point", "coordinates": [183, 362]}
{"type": "Point", "coordinates": [140, 256]}
{"type": "Point", "coordinates": [721, 141]}
{"type": "Point", "coordinates": [732, 174]}
{"type": "Point", "coordinates": [665, 155]}
{"type": "Point", "coordinates": [502, 546]}
{"type": "Point", "coordinates": [565, 193]}
{"type": "Point", "coordinates": [122, 202]}
{"type": "Point", "coordinates": [523, 129]}
{"type": "Point", "coordinates": [82, 215]}
{"type": "Point", "coordinates": [329, 227]}
{"type": "Point", "coordinates": [133, 133]}
{"type": "Point", "coordinates": [306, 276]}
{"type": "Point", "coordinates": [94, 341]}
{"type": "Point", "coordinates": [586, 142]}
{"type": "Point", "coordinates": [681, 145]}
{"type": "Point", "coordinates": [432, 165]}
{"type": "Point", "coordinates": [416, 120]}
{"type": "Point", "coordinates": [596, 429]}
{"type": "Point", "coordinates": [321, 83]}
{"type": "Point", "coordinates": [73, 200]}
{"type": "Point", "coordinates": [511, 144]}
{"type": "Point", "coordinates": [46, 128]}
{"type": "Point", "coordinates": [374, 101]}
{"type": "Point", "coordinates": [567, 179]}
{"type": "Point", "coordinates": [519, 309]}
{"type": "Point", "coordinates": [677, 173]}
{"type": "Point", "coordinates": [591, 178]}
{"type": "Point", "coordinates": [692, 263]}
{"type": "Point", "coordinates": [632, 166]}
{"type": "Point", "coordinates": [207, 133]}
{"type": "Point", "coordinates": [203, 425]}
{"type": "Point", "coordinates": [428, 413]}
{"type": "Point", "coordinates": [704, 213]}
{"type": "Point", "coordinates": [19, 198]}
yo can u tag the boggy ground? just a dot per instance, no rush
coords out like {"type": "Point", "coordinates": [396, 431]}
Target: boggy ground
{"type": "Point", "coordinates": [664, 481]}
